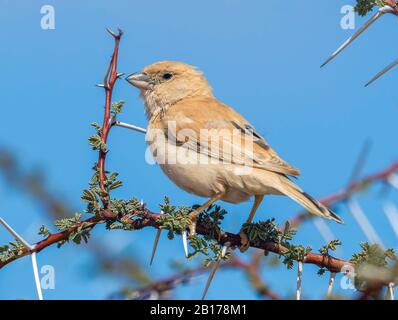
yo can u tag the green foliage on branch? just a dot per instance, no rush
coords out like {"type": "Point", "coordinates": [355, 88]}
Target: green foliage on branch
{"type": "Point", "coordinates": [117, 107]}
{"type": "Point", "coordinates": [174, 219]}
{"type": "Point", "coordinates": [269, 231]}
{"type": "Point", "coordinates": [363, 7]}
{"type": "Point", "coordinates": [11, 250]}
{"type": "Point", "coordinates": [371, 259]}
{"type": "Point", "coordinates": [332, 245]}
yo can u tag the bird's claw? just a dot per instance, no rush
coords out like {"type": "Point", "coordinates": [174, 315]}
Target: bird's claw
{"type": "Point", "coordinates": [192, 220]}
{"type": "Point", "coordinates": [244, 241]}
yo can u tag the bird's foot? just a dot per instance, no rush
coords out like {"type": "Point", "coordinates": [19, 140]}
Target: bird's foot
{"type": "Point", "coordinates": [244, 241]}
{"type": "Point", "coordinates": [193, 217]}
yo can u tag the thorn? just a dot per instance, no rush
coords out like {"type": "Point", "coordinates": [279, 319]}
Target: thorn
{"type": "Point", "coordinates": [382, 72]}
{"type": "Point", "coordinates": [391, 286]}
{"type": "Point", "coordinates": [157, 237]}
{"type": "Point", "coordinates": [155, 245]}
{"type": "Point", "coordinates": [112, 120]}
{"type": "Point", "coordinates": [391, 211]}
{"type": "Point", "coordinates": [36, 276]}
{"type": "Point", "coordinates": [393, 180]}
{"type": "Point", "coordinates": [299, 279]}
{"type": "Point", "coordinates": [331, 284]}
{"type": "Point", "coordinates": [184, 242]}
{"type": "Point", "coordinates": [224, 249]}
{"type": "Point", "coordinates": [120, 74]}
{"type": "Point", "coordinates": [111, 32]}
{"type": "Point", "coordinates": [100, 85]}
{"type": "Point", "coordinates": [364, 223]}
{"type": "Point", "coordinates": [381, 12]}
{"type": "Point", "coordinates": [214, 268]}
{"type": "Point", "coordinates": [16, 235]}
{"type": "Point", "coordinates": [130, 126]}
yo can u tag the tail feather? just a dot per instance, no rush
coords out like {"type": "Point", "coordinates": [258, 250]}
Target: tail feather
{"type": "Point", "coordinates": [312, 205]}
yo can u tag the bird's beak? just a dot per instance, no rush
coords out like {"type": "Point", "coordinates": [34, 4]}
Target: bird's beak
{"type": "Point", "coordinates": [140, 80]}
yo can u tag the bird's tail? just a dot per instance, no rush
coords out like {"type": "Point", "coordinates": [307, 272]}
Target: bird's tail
{"type": "Point", "coordinates": [313, 206]}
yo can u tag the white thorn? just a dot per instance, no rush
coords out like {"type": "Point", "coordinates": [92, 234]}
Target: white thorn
{"type": "Point", "coordinates": [391, 286]}
{"type": "Point", "coordinates": [120, 74]}
{"type": "Point", "coordinates": [111, 32]}
{"type": "Point", "coordinates": [36, 276]}
{"type": "Point", "coordinates": [393, 180]}
{"type": "Point", "coordinates": [155, 245]}
{"type": "Point", "coordinates": [391, 212]}
{"type": "Point", "coordinates": [299, 279]}
{"type": "Point", "coordinates": [184, 242]}
{"type": "Point", "coordinates": [213, 270]}
{"type": "Point", "coordinates": [130, 126]}
{"type": "Point", "coordinates": [324, 229]}
{"type": "Point", "coordinates": [356, 34]}
{"type": "Point", "coordinates": [16, 235]}
{"type": "Point", "coordinates": [100, 85]}
{"type": "Point", "coordinates": [154, 295]}
{"type": "Point", "coordinates": [331, 284]}
{"type": "Point", "coordinates": [364, 223]}
{"type": "Point", "coordinates": [382, 72]}
{"type": "Point", "coordinates": [224, 249]}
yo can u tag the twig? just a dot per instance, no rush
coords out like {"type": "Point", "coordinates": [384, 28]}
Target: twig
{"type": "Point", "coordinates": [251, 269]}
{"type": "Point", "coordinates": [29, 249]}
{"type": "Point", "coordinates": [109, 82]}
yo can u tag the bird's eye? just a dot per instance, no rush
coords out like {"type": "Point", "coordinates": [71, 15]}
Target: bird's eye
{"type": "Point", "coordinates": [167, 76]}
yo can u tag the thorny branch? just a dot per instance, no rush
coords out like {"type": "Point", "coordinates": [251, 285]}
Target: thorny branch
{"type": "Point", "coordinates": [109, 82]}
{"type": "Point", "coordinates": [160, 288]}
{"type": "Point", "coordinates": [149, 219]}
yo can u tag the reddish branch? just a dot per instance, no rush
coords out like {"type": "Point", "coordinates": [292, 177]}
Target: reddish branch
{"type": "Point", "coordinates": [251, 269]}
{"type": "Point", "coordinates": [109, 82]}
{"type": "Point", "coordinates": [393, 4]}
{"type": "Point", "coordinates": [149, 219]}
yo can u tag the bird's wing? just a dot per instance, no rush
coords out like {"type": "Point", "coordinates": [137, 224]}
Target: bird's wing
{"type": "Point", "coordinates": [211, 128]}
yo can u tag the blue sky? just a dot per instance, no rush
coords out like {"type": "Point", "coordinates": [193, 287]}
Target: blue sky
{"type": "Point", "coordinates": [261, 57]}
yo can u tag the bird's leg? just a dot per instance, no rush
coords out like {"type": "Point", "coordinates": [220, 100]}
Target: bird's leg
{"type": "Point", "coordinates": [193, 216]}
{"type": "Point", "coordinates": [245, 243]}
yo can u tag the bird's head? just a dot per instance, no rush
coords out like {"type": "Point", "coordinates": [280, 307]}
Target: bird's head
{"type": "Point", "coordinates": [162, 84]}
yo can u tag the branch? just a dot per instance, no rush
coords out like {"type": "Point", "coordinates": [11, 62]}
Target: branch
{"type": "Point", "coordinates": [149, 219]}
{"type": "Point", "coordinates": [393, 4]}
{"type": "Point", "coordinates": [109, 82]}
{"type": "Point", "coordinates": [161, 287]}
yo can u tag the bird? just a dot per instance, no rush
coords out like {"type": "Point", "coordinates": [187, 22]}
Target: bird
{"type": "Point", "coordinates": [234, 165]}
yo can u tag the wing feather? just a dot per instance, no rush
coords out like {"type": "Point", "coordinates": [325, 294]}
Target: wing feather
{"type": "Point", "coordinates": [211, 128]}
